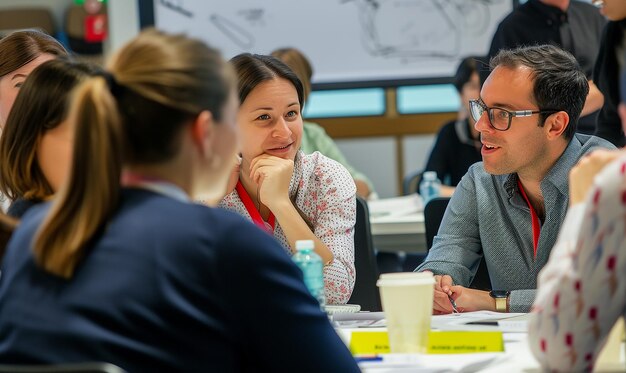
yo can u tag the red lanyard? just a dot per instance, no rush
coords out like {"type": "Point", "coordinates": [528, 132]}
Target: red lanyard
{"type": "Point", "coordinates": [533, 217]}
{"type": "Point", "coordinates": [268, 225]}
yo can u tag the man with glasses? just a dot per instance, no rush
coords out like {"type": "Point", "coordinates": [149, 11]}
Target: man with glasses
{"type": "Point", "coordinates": [509, 207]}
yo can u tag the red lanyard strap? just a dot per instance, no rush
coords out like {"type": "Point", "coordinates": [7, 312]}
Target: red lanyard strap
{"type": "Point", "coordinates": [254, 212]}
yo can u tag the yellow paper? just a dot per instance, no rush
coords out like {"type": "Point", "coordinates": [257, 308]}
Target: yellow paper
{"type": "Point", "coordinates": [463, 342]}
{"type": "Point", "coordinates": [439, 342]}
{"type": "Point", "coordinates": [369, 343]}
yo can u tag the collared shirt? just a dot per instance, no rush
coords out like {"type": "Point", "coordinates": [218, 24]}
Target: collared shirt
{"type": "Point", "coordinates": [488, 216]}
{"type": "Point", "coordinates": [581, 289]}
{"type": "Point", "coordinates": [325, 193]}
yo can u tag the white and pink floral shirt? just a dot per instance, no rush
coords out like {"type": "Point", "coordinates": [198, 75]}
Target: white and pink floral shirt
{"type": "Point", "coordinates": [325, 192]}
{"type": "Point", "coordinates": [582, 288]}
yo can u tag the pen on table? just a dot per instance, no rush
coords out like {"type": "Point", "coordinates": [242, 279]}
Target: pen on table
{"type": "Point", "coordinates": [368, 358]}
{"type": "Point", "coordinates": [454, 308]}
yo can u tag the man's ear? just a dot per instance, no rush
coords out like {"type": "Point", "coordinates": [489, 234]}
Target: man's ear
{"type": "Point", "coordinates": [556, 124]}
{"type": "Point", "coordinates": [202, 130]}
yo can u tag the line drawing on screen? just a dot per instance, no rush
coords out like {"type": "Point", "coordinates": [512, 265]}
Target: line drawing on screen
{"type": "Point", "coordinates": [410, 37]}
{"type": "Point", "coordinates": [346, 40]}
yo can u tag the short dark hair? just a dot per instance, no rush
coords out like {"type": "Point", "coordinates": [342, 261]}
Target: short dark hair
{"type": "Point", "coordinates": [254, 69]}
{"type": "Point", "coordinates": [559, 82]}
{"type": "Point", "coordinates": [467, 67]}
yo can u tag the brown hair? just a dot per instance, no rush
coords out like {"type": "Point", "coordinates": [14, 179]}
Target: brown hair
{"type": "Point", "coordinates": [40, 106]}
{"type": "Point", "coordinates": [21, 47]}
{"type": "Point", "coordinates": [159, 82]}
{"type": "Point", "coordinates": [299, 64]}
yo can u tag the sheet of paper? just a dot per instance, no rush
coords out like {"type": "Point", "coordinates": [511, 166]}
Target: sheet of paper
{"type": "Point", "coordinates": [431, 363]}
{"type": "Point", "coordinates": [397, 206]}
{"type": "Point", "coordinates": [479, 320]}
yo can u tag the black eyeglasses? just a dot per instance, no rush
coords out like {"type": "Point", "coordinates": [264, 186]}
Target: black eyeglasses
{"type": "Point", "coordinates": [500, 119]}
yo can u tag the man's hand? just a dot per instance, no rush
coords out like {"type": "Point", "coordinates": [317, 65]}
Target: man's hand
{"type": "Point", "coordinates": [441, 300]}
{"type": "Point", "coordinates": [468, 300]}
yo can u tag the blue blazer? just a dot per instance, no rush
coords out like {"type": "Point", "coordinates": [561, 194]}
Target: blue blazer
{"type": "Point", "coordinates": [168, 286]}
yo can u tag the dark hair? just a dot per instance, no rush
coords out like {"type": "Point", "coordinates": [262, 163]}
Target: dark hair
{"type": "Point", "coordinates": [156, 85]}
{"type": "Point", "coordinates": [21, 47]}
{"type": "Point", "coordinates": [40, 106]}
{"type": "Point", "coordinates": [254, 69]}
{"type": "Point", "coordinates": [558, 81]}
{"type": "Point", "coordinates": [467, 67]}
{"type": "Point", "coordinates": [299, 64]}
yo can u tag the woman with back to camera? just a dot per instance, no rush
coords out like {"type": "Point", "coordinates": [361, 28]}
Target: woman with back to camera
{"type": "Point", "coordinates": [36, 143]}
{"type": "Point", "coordinates": [123, 267]}
{"type": "Point", "coordinates": [292, 195]}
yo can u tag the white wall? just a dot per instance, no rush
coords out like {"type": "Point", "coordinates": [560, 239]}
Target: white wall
{"type": "Point", "coordinates": [125, 16]}
{"type": "Point", "coordinates": [376, 158]}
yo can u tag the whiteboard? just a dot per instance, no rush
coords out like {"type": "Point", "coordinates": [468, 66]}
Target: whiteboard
{"type": "Point", "coordinates": [351, 42]}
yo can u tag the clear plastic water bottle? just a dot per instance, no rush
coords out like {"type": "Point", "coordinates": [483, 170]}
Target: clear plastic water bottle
{"type": "Point", "coordinates": [430, 186]}
{"type": "Point", "coordinates": [312, 268]}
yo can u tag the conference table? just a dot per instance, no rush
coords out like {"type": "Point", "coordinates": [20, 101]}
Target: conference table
{"type": "Point", "coordinates": [516, 357]}
{"type": "Point", "coordinates": [397, 224]}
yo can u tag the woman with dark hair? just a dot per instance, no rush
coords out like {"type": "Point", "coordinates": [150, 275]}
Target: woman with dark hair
{"type": "Point", "coordinates": [291, 195]}
{"type": "Point", "coordinates": [457, 145]}
{"type": "Point", "coordinates": [20, 53]}
{"type": "Point", "coordinates": [122, 267]}
{"type": "Point", "coordinates": [36, 144]}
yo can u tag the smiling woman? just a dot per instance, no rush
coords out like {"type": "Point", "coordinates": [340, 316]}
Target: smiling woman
{"type": "Point", "coordinates": [291, 195]}
{"type": "Point", "coordinates": [20, 53]}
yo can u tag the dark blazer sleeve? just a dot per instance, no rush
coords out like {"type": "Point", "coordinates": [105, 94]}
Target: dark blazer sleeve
{"type": "Point", "coordinates": [280, 322]}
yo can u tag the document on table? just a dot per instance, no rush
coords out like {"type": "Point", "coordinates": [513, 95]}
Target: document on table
{"type": "Point", "coordinates": [482, 320]}
{"type": "Point", "coordinates": [394, 207]}
{"type": "Point", "coordinates": [431, 363]}
{"type": "Point", "coordinates": [479, 320]}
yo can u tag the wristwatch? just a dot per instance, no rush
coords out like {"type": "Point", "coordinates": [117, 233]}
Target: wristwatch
{"type": "Point", "coordinates": [502, 299]}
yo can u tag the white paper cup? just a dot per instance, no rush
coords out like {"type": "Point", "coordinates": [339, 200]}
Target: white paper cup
{"type": "Point", "coordinates": [407, 300]}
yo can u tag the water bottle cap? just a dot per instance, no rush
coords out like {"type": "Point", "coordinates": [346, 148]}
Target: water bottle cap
{"type": "Point", "coordinates": [305, 245]}
{"type": "Point", "coordinates": [430, 175]}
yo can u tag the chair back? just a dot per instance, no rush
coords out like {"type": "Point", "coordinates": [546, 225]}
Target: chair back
{"type": "Point", "coordinates": [411, 182]}
{"type": "Point", "coordinates": [365, 291]}
{"type": "Point", "coordinates": [433, 215]}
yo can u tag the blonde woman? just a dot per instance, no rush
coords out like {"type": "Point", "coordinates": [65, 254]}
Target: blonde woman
{"type": "Point", "coordinates": [123, 267]}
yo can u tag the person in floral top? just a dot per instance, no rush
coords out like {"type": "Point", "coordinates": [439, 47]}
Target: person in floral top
{"type": "Point", "coordinates": [582, 288]}
{"type": "Point", "coordinates": [291, 195]}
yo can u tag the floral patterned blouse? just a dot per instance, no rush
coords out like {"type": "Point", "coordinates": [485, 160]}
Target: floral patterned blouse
{"type": "Point", "coordinates": [582, 289]}
{"type": "Point", "coordinates": [325, 192]}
